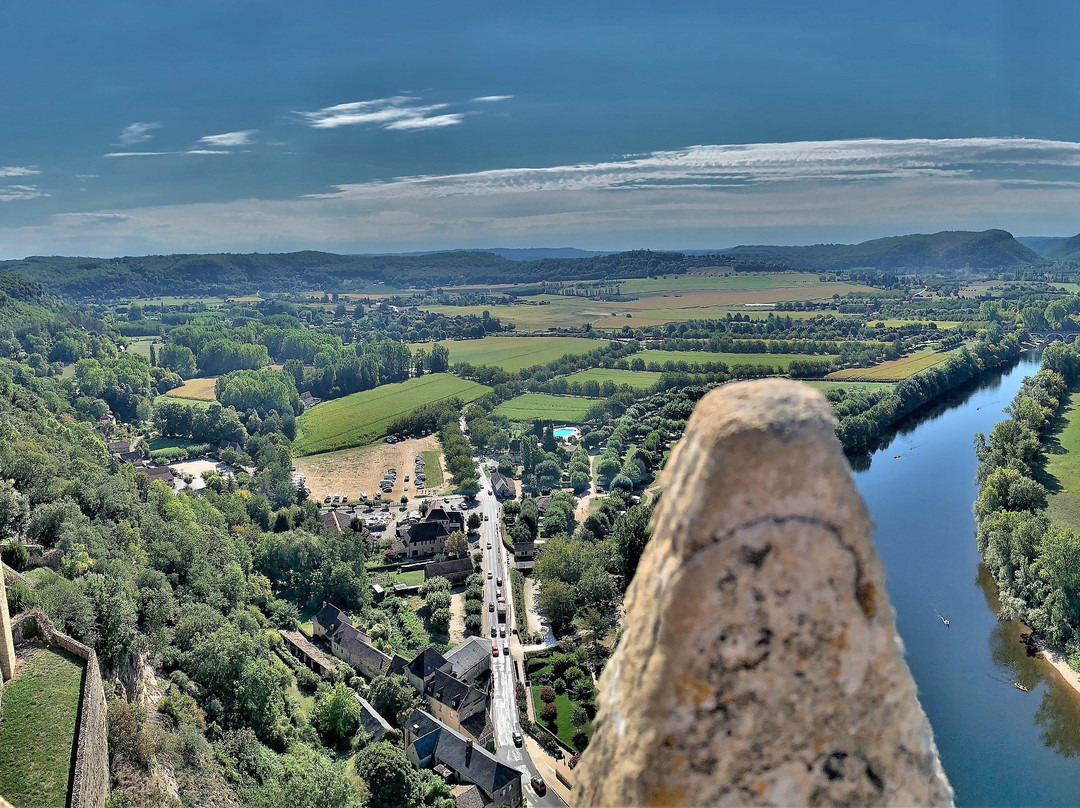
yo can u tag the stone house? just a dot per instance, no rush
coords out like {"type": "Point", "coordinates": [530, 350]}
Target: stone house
{"type": "Point", "coordinates": [430, 743]}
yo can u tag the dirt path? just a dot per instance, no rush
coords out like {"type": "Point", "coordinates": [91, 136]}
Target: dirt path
{"type": "Point", "coordinates": [457, 618]}
{"type": "Point", "coordinates": [352, 471]}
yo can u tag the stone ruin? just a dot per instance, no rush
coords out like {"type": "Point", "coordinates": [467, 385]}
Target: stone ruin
{"type": "Point", "coordinates": [760, 664]}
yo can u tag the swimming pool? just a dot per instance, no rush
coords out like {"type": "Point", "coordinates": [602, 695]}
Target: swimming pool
{"type": "Point", "coordinates": [564, 432]}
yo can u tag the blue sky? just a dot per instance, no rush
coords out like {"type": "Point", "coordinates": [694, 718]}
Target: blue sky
{"type": "Point", "coordinates": [129, 126]}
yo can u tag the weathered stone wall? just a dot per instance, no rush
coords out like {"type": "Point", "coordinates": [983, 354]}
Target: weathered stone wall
{"type": "Point", "coordinates": [760, 664]}
{"type": "Point", "coordinates": [90, 779]}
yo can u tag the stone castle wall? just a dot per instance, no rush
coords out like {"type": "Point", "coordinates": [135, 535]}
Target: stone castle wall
{"type": "Point", "coordinates": [760, 663]}
{"type": "Point", "coordinates": [90, 778]}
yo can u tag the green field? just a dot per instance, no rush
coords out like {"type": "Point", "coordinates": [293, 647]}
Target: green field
{"type": "Point", "coordinates": [201, 389]}
{"type": "Point", "coordinates": [944, 325]}
{"type": "Point", "coordinates": [529, 406]}
{"type": "Point", "coordinates": [823, 386]}
{"type": "Point", "coordinates": [141, 345]}
{"type": "Point", "coordinates": [515, 353]}
{"type": "Point", "coordinates": [660, 301]}
{"type": "Point", "coordinates": [1063, 466]}
{"type": "Point", "coordinates": [895, 370]}
{"type": "Point", "coordinates": [727, 283]}
{"type": "Point", "coordinates": [361, 418]}
{"type": "Point", "coordinates": [776, 361]}
{"type": "Point", "coordinates": [432, 468]}
{"type": "Point", "coordinates": [641, 379]}
{"type": "Point", "coordinates": [191, 402]}
{"type": "Point", "coordinates": [37, 730]}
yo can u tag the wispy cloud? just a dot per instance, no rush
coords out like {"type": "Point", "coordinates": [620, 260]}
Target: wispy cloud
{"type": "Point", "coordinates": [485, 99]}
{"type": "Point", "coordinates": [164, 153]}
{"type": "Point", "coordinates": [18, 171]}
{"type": "Point", "coordinates": [18, 193]}
{"type": "Point", "coordinates": [700, 196]}
{"type": "Point", "coordinates": [746, 166]}
{"type": "Point", "coordinates": [398, 112]}
{"type": "Point", "coordinates": [230, 139]}
{"type": "Point", "coordinates": [138, 132]}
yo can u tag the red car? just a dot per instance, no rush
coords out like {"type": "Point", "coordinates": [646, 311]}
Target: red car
{"type": "Point", "coordinates": [494, 649]}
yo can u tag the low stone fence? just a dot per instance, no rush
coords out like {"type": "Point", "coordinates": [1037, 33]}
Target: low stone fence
{"type": "Point", "coordinates": [90, 778]}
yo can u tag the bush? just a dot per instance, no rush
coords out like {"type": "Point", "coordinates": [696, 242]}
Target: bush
{"type": "Point", "coordinates": [192, 746]}
{"type": "Point", "coordinates": [580, 716]}
{"type": "Point", "coordinates": [559, 685]}
{"type": "Point", "coordinates": [547, 695]}
{"type": "Point", "coordinates": [549, 713]}
{"type": "Point", "coordinates": [581, 740]}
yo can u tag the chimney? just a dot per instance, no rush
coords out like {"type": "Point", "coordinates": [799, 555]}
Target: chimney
{"type": "Point", "coordinates": [468, 752]}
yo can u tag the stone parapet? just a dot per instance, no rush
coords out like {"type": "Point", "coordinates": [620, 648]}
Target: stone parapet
{"type": "Point", "coordinates": [760, 663]}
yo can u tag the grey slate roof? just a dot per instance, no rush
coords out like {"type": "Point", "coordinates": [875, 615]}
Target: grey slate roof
{"type": "Point", "coordinates": [375, 725]}
{"type": "Point", "coordinates": [467, 796]}
{"type": "Point", "coordinates": [356, 644]}
{"type": "Point", "coordinates": [469, 760]}
{"type": "Point", "coordinates": [465, 657]}
{"type": "Point", "coordinates": [329, 617]}
{"type": "Point", "coordinates": [454, 567]}
{"type": "Point", "coordinates": [425, 663]}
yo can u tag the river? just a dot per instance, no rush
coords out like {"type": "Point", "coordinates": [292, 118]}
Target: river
{"type": "Point", "coordinates": [999, 745]}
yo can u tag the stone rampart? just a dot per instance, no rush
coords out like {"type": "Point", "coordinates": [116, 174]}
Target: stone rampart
{"type": "Point", "coordinates": [760, 663]}
{"type": "Point", "coordinates": [90, 778]}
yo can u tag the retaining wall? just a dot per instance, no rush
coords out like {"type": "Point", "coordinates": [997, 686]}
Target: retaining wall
{"type": "Point", "coordinates": [90, 778]}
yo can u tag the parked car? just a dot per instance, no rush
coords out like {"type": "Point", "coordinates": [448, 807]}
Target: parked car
{"type": "Point", "coordinates": [494, 649]}
{"type": "Point", "coordinates": [491, 606]}
{"type": "Point", "coordinates": [506, 648]}
{"type": "Point", "coordinates": [518, 740]}
{"type": "Point", "coordinates": [489, 545]}
{"type": "Point", "coordinates": [539, 786]}
{"type": "Point", "coordinates": [502, 631]}
{"type": "Point", "coordinates": [490, 575]}
{"type": "Point", "coordinates": [493, 631]}
{"type": "Point", "coordinates": [486, 518]}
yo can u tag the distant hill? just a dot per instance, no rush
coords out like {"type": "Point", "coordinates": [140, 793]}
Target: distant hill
{"type": "Point", "coordinates": [1043, 245]}
{"type": "Point", "coordinates": [536, 253]}
{"type": "Point", "coordinates": [1068, 249]}
{"type": "Point", "coordinates": [232, 274]}
{"type": "Point", "coordinates": [989, 249]}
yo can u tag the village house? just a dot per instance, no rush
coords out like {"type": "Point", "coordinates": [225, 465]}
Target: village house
{"type": "Point", "coordinates": [429, 743]}
{"type": "Point", "coordinates": [455, 686]}
{"type": "Point", "coordinates": [428, 536]}
{"type": "Point", "coordinates": [348, 643]}
{"type": "Point", "coordinates": [502, 486]}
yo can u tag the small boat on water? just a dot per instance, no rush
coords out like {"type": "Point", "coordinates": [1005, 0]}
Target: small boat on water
{"type": "Point", "coordinates": [944, 619]}
{"type": "Point", "coordinates": [1019, 686]}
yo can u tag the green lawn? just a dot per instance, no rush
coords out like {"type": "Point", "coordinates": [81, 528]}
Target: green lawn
{"type": "Point", "coordinates": [38, 729]}
{"type": "Point", "coordinates": [1063, 466]}
{"type": "Point", "coordinates": [776, 361]}
{"type": "Point", "coordinates": [563, 727]}
{"type": "Point", "coordinates": [411, 578]}
{"type": "Point", "coordinates": [169, 443]}
{"type": "Point", "coordinates": [528, 406]}
{"type": "Point", "coordinates": [362, 418]}
{"type": "Point", "coordinates": [641, 379]}
{"type": "Point", "coordinates": [432, 468]}
{"type": "Point", "coordinates": [515, 353]}
{"type": "Point", "coordinates": [141, 345]}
